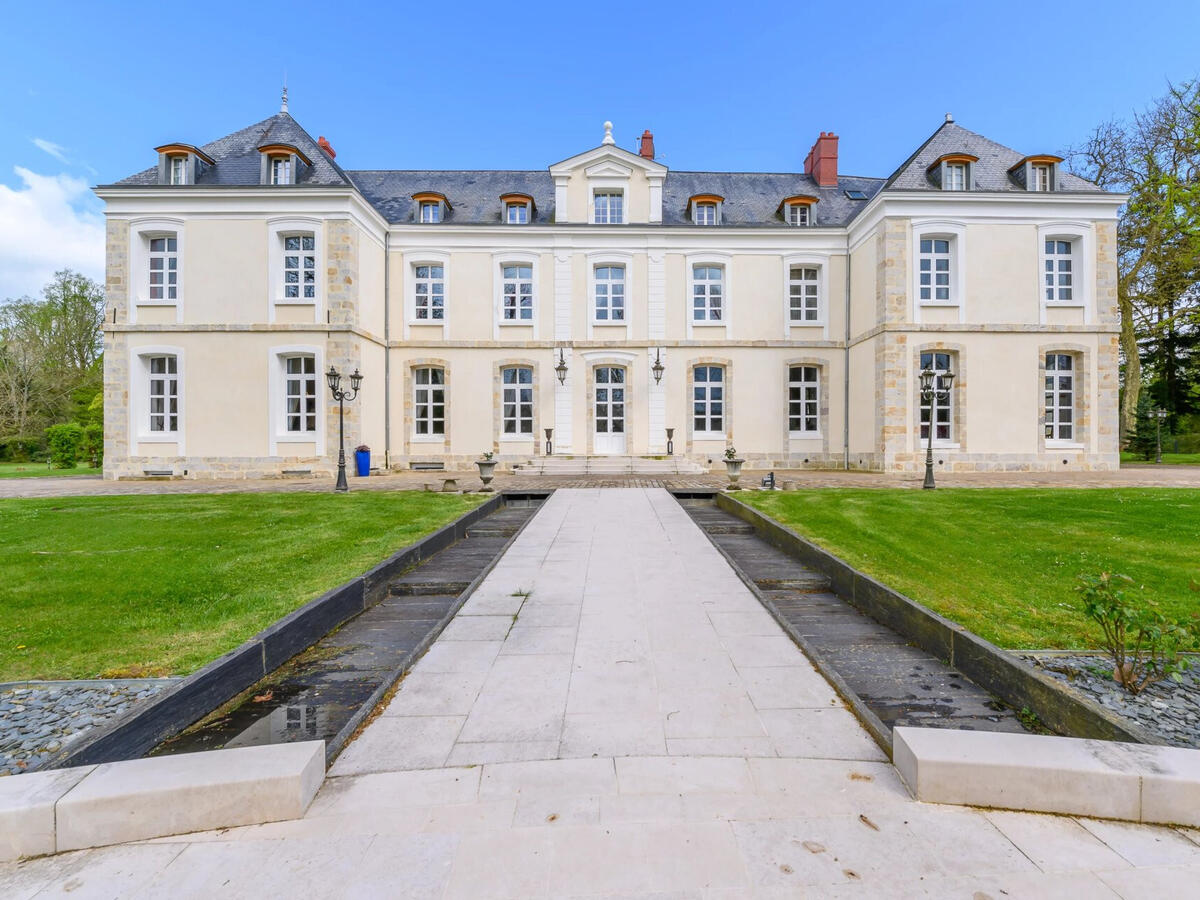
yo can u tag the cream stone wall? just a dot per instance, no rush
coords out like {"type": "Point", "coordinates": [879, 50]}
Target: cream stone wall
{"type": "Point", "coordinates": [225, 271]}
{"type": "Point", "coordinates": [636, 189]}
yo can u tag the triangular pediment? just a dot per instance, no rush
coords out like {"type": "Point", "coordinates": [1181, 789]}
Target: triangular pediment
{"type": "Point", "coordinates": [608, 160]}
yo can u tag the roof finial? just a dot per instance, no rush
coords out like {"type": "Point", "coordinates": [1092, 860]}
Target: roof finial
{"type": "Point", "coordinates": [608, 138]}
{"type": "Point", "coordinates": [283, 101]}
{"type": "Point", "coordinates": [949, 117]}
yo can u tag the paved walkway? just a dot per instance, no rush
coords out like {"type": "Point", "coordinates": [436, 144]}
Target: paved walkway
{"type": "Point", "coordinates": [85, 485]}
{"type": "Point", "coordinates": [614, 714]}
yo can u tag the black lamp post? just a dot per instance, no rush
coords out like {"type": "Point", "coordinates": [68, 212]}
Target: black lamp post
{"type": "Point", "coordinates": [334, 377]}
{"type": "Point", "coordinates": [1159, 415]}
{"type": "Point", "coordinates": [930, 391]}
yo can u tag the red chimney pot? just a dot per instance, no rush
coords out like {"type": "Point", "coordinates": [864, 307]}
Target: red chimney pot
{"type": "Point", "coordinates": [646, 145]}
{"type": "Point", "coordinates": [821, 163]}
{"type": "Point", "coordinates": [326, 146]}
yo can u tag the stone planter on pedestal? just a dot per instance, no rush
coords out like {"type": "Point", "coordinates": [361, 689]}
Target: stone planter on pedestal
{"type": "Point", "coordinates": [486, 469]}
{"type": "Point", "coordinates": [733, 467]}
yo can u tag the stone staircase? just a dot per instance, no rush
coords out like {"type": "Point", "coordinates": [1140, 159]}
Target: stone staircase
{"type": "Point", "coordinates": [611, 465]}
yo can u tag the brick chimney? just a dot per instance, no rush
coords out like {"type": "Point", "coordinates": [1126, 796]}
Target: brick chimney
{"type": "Point", "coordinates": [326, 146]}
{"type": "Point", "coordinates": [646, 145]}
{"type": "Point", "coordinates": [821, 163]}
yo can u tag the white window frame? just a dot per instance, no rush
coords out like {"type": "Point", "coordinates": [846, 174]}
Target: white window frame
{"type": "Point", "coordinates": [950, 171]}
{"type": "Point", "coordinates": [956, 233]}
{"type": "Point", "coordinates": [950, 442]}
{"type": "Point", "coordinates": [278, 436]}
{"type": "Point", "coordinates": [516, 387]}
{"type": "Point", "coordinates": [277, 231]}
{"type": "Point", "coordinates": [429, 281]}
{"type": "Point", "coordinates": [608, 284]}
{"type": "Point", "coordinates": [141, 231]}
{"type": "Point", "coordinates": [278, 162]}
{"type": "Point", "coordinates": [799, 215]}
{"type": "Point", "coordinates": [1036, 181]}
{"type": "Point", "coordinates": [1083, 267]}
{"type": "Point", "coordinates": [707, 206]}
{"type": "Point", "coordinates": [511, 206]}
{"type": "Point", "coordinates": [139, 406]}
{"type": "Point", "coordinates": [709, 434]}
{"type": "Point", "coordinates": [514, 258]}
{"type": "Point", "coordinates": [721, 262]}
{"type": "Point", "coordinates": [181, 160]}
{"type": "Point", "coordinates": [607, 258]}
{"type": "Point", "coordinates": [317, 379]}
{"type": "Point", "coordinates": [1055, 388]}
{"type": "Point", "coordinates": [804, 385]}
{"type": "Point", "coordinates": [608, 189]}
{"type": "Point", "coordinates": [436, 213]}
{"type": "Point", "coordinates": [431, 437]}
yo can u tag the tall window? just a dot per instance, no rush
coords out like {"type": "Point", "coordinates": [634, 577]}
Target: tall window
{"type": "Point", "coordinates": [518, 293]}
{"type": "Point", "coordinates": [956, 177]}
{"type": "Point", "coordinates": [1060, 397]}
{"type": "Point", "coordinates": [1059, 277]}
{"type": "Point", "coordinates": [798, 214]}
{"type": "Point", "coordinates": [517, 401]}
{"type": "Point", "coordinates": [164, 268]}
{"type": "Point", "coordinates": [706, 214]}
{"type": "Point", "coordinates": [610, 293]}
{"type": "Point", "coordinates": [299, 267]}
{"type": "Point", "coordinates": [300, 394]}
{"type": "Point", "coordinates": [516, 213]}
{"type": "Point", "coordinates": [940, 363]}
{"type": "Point", "coordinates": [281, 170]}
{"type": "Point", "coordinates": [1040, 178]}
{"type": "Point", "coordinates": [429, 401]}
{"type": "Point", "coordinates": [609, 207]}
{"type": "Point", "coordinates": [431, 212]}
{"type": "Point", "coordinates": [804, 294]}
{"type": "Point", "coordinates": [708, 399]}
{"type": "Point", "coordinates": [804, 407]}
{"type": "Point", "coordinates": [934, 269]}
{"type": "Point", "coordinates": [708, 293]}
{"type": "Point", "coordinates": [430, 286]}
{"type": "Point", "coordinates": [164, 394]}
{"type": "Point", "coordinates": [178, 169]}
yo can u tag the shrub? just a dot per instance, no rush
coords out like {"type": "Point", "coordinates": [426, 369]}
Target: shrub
{"type": "Point", "coordinates": [66, 442]}
{"type": "Point", "coordinates": [93, 444]}
{"type": "Point", "coordinates": [1143, 643]}
{"type": "Point", "coordinates": [22, 448]}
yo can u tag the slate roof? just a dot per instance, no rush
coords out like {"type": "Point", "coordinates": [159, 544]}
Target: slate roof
{"type": "Point", "coordinates": [989, 174]}
{"type": "Point", "coordinates": [238, 160]}
{"type": "Point", "coordinates": [474, 196]}
{"type": "Point", "coordinates": [753, 198]}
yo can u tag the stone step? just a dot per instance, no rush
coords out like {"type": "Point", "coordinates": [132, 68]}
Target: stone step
{"type": "Point", "coordinates": [728, 528]}
{"type": "Point", "coordinates": [486, 530]}
{"type": "Point", "coordinates": [808, 582]}
{"type": "Point", "coordinates": [416, 587]}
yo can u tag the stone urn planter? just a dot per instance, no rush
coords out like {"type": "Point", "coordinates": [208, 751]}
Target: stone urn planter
{"type": "Point", "coordinates": [733, 468]}
{"type": "Point", "coordinates": [487, 468]}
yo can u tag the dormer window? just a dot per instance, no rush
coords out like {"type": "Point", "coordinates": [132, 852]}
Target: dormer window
{"type": "Point", "coordinates": [178, 169]}
{"type": "Point", "coordinates": [609, 207]}
{"type": "Point", "coordinates": [281, 164]}
{"type": "Point", "coordinates": [797, 210]}
{"type": "Point", "coordinates": [705, 209]}
{"type": "Point", "coordinates": [181, 163]}
{"type": "Point", "coordinates": [953, 172]}
{"type": "Point", "coordinates": [1037, 173]}
{"type": "Point", "coordinates": [706, 214]}
{"type": "Point", "coordinates": [431, 207]}
{"type": "Point", "coordinates": [518, 209]}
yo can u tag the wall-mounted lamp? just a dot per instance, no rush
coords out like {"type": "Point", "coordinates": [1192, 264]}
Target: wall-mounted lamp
{"type": "Point", "coordinates": [658, 367]}
{"type": "Point", "coordinates": [561, 368]}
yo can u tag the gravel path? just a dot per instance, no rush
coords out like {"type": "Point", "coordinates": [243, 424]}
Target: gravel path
{"type": "Point", "coordinates": [39, 718]}
{"type": "Point", "coordinates": [1167, 708]}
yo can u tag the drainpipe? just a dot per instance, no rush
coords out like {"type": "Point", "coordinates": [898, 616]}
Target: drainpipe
{"type": "Point", "coordinates": [387, 354]}
{"type": "Point", "coordinates": [846, 367]}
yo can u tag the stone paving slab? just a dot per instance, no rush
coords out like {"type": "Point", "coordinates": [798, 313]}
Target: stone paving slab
{"type": "Point", "coordinates": [567, 773]}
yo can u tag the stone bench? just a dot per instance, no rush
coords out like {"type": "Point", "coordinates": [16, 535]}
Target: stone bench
{"type": "Point", "coordinates": [1036, 773]}
{"type": "Point", "coordinates": [91, 806]}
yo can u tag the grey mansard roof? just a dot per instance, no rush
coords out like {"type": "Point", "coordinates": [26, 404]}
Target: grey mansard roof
{"type": "Point", "coordinates": [751, 199]}
{"type": "Point", "coordinates": [238, 160]}
{"type": "Point", "coordinates": [989, 174]}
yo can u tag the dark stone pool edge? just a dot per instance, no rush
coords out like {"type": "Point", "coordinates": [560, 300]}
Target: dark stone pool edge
{"type": "Point", "coordinates": [1005, 675]}
{"type": "Point", "coordinates": [224, 678]}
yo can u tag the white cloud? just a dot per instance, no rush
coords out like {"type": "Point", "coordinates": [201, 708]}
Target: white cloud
{"type": "Point", "coordinates": [58, 151]}
{"type": "Point", "coordinates": [50, 222]}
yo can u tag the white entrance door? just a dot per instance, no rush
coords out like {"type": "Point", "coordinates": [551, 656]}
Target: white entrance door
{"type": "Point", "coordinates": [610, 411]}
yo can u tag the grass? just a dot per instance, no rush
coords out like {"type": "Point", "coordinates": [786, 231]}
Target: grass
{"type": "Point", "coordinates": [155, 585]}
{"type": "Point", "coordinates": [1169, 459]}
{"type": "Point", "coordinates": [41, 470]}
{"type": "Point", "coordinates": [1004, 562]}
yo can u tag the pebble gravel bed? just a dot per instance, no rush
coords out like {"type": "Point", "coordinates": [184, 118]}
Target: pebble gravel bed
{"type": "Point", "coordinates": [39, 719]}
{"type": "Point", "coordinates": [1167, 708]}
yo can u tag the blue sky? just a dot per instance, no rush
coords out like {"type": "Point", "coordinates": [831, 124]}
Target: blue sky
{"type": "Point", "coordinates": [90, 88]}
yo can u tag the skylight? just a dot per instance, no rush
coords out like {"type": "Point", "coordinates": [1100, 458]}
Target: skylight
{"type": "Point", "coordinates": [856, 195]}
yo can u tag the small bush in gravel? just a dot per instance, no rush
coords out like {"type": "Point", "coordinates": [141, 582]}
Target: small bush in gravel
{"type": "Point", "coordinates": [1143, 643]}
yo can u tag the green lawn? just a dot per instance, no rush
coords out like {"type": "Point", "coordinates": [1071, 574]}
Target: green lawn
{"type": "Point", "coordinates": [1169, 459]}
{"type": "Point", "coordinates": [163, 584]}
{"type": "Point", "coordinates": [1003, 562]}
{"type": "Point", "coordinates": [41, 470]}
